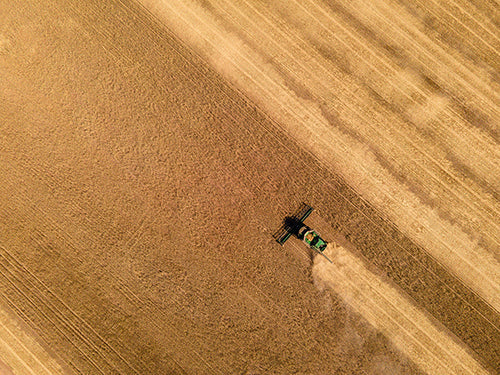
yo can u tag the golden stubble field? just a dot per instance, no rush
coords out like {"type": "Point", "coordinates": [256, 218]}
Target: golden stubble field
{"type": "Point", "coordinates": [149, 151]}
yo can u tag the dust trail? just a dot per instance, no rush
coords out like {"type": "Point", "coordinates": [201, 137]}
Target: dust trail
{"type": "Point", "coordinates": [430, 347]}
{"type": "Point", "coordinates": [414, 185]}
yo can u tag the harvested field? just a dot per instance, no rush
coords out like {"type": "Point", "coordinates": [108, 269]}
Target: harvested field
{"type": "Point", "coordinates": [150, 149]}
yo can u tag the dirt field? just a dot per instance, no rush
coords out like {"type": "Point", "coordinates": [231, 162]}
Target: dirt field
{"type": "Point", "coordinates": [149, 150]}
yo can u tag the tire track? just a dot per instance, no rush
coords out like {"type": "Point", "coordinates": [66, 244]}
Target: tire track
{"type": "Point", "coordinates": [90, 337]}
{"type": "Point", "coordinates": [387, 64]}
{"type": "Point", "coordinates": [462, 24]}
{"type": "Point", "coordinates": [249, 133]}
{"type": "Point", "coordinates": [280, 88]}
{"type": "Point", "coordinates": [449, 174]}
{"type": "Point", "coordinates": [157, 308]}
{"type": "Point", "coordinates": [71, 239]}
{"type": "Point", "coordinates": [404, 324]}
{"type": "Point", "coordinates": [417, 35]}
{"type": "Point", "coordinates": [266, 296]}
{"type": "Point", "coordinates": [35, 170]}
{"type": "Point", "coordinates": [70, 318]}
{"type": "Point", "coordinates": [66, 321]}
{"type": "Point", "coordinates": [186, 77]}
{"type": "Point", "coordinates": [41, 315]}
{"type": "Point", "coordinates": [451, 289]}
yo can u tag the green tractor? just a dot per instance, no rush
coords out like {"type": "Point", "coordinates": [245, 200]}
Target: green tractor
{"type": "Point", "coordinates": [294, 225]}
{"type": "Point", "coordinates": [313, 240]}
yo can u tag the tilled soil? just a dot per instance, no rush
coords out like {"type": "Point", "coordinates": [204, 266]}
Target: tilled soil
{"type": "Point", "coordinates": [139, 197]}
{"type": "Point", "coordinates": [374, 94]}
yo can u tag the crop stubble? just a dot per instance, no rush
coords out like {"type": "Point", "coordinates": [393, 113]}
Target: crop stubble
{"type": "Point", "coordinates": [108, 125]}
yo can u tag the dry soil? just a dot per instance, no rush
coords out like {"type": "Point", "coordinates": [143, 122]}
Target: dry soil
{"type": "Point", "coordinates": [149, 150]}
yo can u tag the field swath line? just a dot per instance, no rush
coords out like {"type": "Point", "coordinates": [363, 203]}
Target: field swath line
{"type": "Point", "coordinates": [423, 50]}
{"type": "Point", "coordinates": [393, 314]}
{"type": "Point", "coordinates": [465, 201]}
{"type": "Point", "coordinates": [191, 64]}
{"type": "Point", "coordinates": [280, 88]}
{"type": "Point", "coordinates": [451, 289]}
{"type": "Point", "coordinates": [480, 22]}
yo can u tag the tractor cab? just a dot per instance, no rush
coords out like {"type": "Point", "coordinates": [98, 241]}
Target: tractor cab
{"type": "Point", "coordinates": [314, 241]}
{"type": "Point", "coordinates": [294, 225]}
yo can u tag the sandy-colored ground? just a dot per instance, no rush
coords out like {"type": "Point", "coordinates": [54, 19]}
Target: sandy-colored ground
{"type": "Point", "coordinates": [387, 308]}
{"type": "Point", "coordinates": [22, 354]}
{"type": "Point", "coordinates": [390, 122]}
{"type": "Point", "coordinates": [140, 190]}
